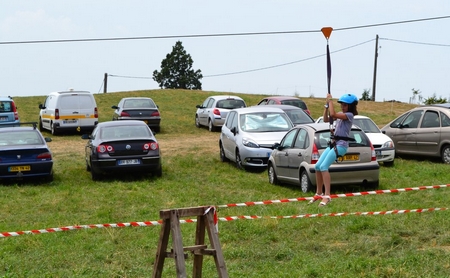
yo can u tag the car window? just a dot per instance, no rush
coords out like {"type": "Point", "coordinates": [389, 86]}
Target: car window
{"type": "Point", "coordinates": [397, 122]}
{"type": "Point", "coordinates": [271, 101]}
{"type": "Point", "coordinates": [27, 137]}
{"type": "Point", "coordinates": [367, 125]}
{"type": "Point", "coordinates": [430, 119]}
{"type": "Point", "coordinates": [263, 102]}
{"type": "Point", "coordinates": [302, 141]}
{"type": "Point", "coordinates": [5, 106]}
{"type": "Point", "coordinates": [297, 116]}
{"type": "Point", "coordinates": [205, 103]}
{"type": "Point", "coordinates": [288, 140]}
{"type": "Point", "coordinates": [230, 103]}
{"type": "Point", "coordinates": [361, 139]}
{"type": "Point", "coordinates": [412, 120]}
{"type": "Point", "coordinates": [234, 123]}
{"type": "Point", "coordinates": [265, 122]}
{"type": "Point", "coordinates": [294, 102]}
{"type": "Point", "coordinates": [210, 103]}
{"type": "Point", "coordinates": [124, 132]}
{"type": "Point", "coordinates": [230, 118]}
{"type": "Point", "coordinates": [445, 120]}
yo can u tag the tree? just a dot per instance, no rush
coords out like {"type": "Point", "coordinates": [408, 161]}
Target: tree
{"type": "Point", "coordinates": [176, 71]}
{"type": "Point", "coordinates": [433, 100]}
{"type": "Point", "coordinates": [365, 95]}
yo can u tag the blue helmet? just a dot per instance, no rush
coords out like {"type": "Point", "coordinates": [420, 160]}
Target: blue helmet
{"type": "Point", "coordinates": [348, 99]}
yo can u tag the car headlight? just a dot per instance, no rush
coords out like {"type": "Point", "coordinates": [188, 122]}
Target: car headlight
{"type": "Point", "coordinates": [249, 143]}
{"type": "Point", "coordinates": [388, 144]}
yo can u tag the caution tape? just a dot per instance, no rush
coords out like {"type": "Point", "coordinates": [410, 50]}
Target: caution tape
{"type": "Point", "coordinates": [269, 202]}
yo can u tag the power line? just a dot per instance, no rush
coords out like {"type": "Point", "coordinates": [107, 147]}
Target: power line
{"type": "Point", "coordinates": [221, 35]}
{"type": "Point", "coordinates": [424, 43]}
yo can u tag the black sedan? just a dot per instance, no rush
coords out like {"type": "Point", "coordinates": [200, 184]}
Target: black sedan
{"type": "Point", "coordinates": [122, 147]}
{"type": "Point", "coordinates": [24, 153]}
{"type": "Point", "coordinates": [138, 108]}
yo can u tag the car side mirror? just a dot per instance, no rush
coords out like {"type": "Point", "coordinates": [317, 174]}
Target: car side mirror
{"type": "Point", "coordinates": [115, 107]}
{"type": "Point", "coordinates": [198, 106]}
{"type": "Point", "coordinates": [276, 146]}
{"type": "Point", "coordinates": [41, 106]}
{"type": "Point", "coordinates": [86, 136]}
{"type": "Point", "coordinates": [48, 139]}
{"type": "Point", "coordinates": [233, 130]}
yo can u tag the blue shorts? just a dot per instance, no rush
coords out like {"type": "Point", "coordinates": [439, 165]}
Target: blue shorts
{"type": "Point", "coordinates": [328, 157]}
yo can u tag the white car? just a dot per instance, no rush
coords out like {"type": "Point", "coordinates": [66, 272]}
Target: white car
{"type": "Point", "coordinates": [383, 144]}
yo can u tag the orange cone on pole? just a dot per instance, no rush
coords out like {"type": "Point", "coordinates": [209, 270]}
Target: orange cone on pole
{"type": "Point", "coordinates": [327, 32]}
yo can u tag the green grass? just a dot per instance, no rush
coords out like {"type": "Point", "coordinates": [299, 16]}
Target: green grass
{"type": "Point", "coordinates": [397, 245]}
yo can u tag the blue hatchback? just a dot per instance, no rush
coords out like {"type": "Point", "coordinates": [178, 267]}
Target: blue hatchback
{"type": "Point", "coordinates": [8, 112]}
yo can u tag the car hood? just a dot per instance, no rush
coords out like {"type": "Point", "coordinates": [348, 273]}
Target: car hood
{"type": "Point", "coordinates": [265, 138]}
{"type": "Point", "coordinates": [378, 138]}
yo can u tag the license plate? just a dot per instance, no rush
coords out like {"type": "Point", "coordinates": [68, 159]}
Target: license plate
{"type": "Point", "coordinates": [350, 157]}
{"type": "Point", "coordinates": [70, 121]}
{"type": "Point", "coordinates": [3, 118]}
{"type": "Point", "coordinates": [378, 153]}
{"type": "Point", "coordinates": [19, 168]}
{"type": "Point", "coordinates": [128, 162]}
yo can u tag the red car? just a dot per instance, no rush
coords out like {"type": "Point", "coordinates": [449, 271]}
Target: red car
{"type": "Point", "coordinates": [286, 100]}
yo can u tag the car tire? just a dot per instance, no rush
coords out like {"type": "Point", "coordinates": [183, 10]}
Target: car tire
{"type": "Point", "coordinates": [158, 172]}
{"type": "Point", "coordinates": [41, 127]}
{"type": "Point", "coordinates": [223, 157]}
{"type": "Point", "coordinates": [373, 185]}
{"type": "Point", "coordinates": [53, 130]}
{"type": "Point", "coordinates": [388, 163]}
{"type": "Point", "coordinates": [305, 183]}
{"type": "Point", "coordinates": [272, 175]}
{"type": "Point", "coordinates": [445, 154]}
{"type": "Point", "coordinates": [239, 161]}
{"type": "Point", "coordinates": [94, 175]}
{"type": "Point", "coordinates": [88, 168]}
{"type": "Point", "coordinates": [211, 127]}
{"type": "Point", "coordinates": [197, 122]}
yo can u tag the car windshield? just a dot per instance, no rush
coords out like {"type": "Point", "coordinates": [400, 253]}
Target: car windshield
{"type": "Point", "coordinates": [27, 137]}
{"type": "Point", "coordinates": [297, 116]}
{"type": "Point", "coordinates": [123, 131]}
{"type": "Point", "coordinates": [367, 125]}
{"type": "Point", "coordinates": [139, 103]}
{"type": "Point", "coordinates": [230, 103]}
{"type": "Point", "coordinates": [264, 122]}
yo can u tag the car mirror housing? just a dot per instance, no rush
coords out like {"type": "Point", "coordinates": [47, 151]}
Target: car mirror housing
{"type": "Point", "coordinates": [115, 107]}
{"type": "Point", "coordinates": [233, 130]}
{"type": "Point", "coordinates": [276, 146]}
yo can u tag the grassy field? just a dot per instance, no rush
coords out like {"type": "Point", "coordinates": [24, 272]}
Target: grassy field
{"type": "Point", "coordinates": [391, 245]}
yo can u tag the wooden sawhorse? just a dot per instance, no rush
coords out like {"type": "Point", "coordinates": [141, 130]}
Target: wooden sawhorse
{"type": "Point", "coordinates": [205, 221]}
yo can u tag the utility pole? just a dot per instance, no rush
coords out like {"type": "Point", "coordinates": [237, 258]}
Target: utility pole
{"type": "Point", "coordinates": [105, 83]}
{"type": "Point", "coordinates": [374, 86]}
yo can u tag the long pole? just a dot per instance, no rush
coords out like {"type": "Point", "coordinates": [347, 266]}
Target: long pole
{"type": "Point", "coordinates": [327, 33]}
{"type": "Point", "coordinates": [374, 86]}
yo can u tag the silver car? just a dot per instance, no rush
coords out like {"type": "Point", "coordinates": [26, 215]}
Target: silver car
{"type": "Point", "coordinates": [214, 110]}
{"type": "Point", "coordinates": [424, 131]}
{"type": "Point", "coordinates": [249, 134]}
{"type": "Point", "coordinates": [293, 159]}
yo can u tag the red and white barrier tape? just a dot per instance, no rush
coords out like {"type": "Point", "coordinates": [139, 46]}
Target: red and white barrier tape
{"type": "Point", "coordinates": [269, 202]}
{"type": "Point", "coordinates": [228, 218]}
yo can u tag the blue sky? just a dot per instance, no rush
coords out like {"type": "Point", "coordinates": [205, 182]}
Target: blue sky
{"type": "Point", "coordinates": [413, 55]}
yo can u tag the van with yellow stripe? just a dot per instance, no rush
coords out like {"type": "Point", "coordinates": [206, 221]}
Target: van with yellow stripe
{"type": "Point", "coordinates": [68, 111]}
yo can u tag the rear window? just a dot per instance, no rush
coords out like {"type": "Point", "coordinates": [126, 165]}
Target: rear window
{"type": "Point", "coordinates": [5, 106]}
{"type": "Point", "coordinates": [230, 103]}
{"type": "Point", "coordinates": [294, 102]}
{"type": "Point", "coordinates": [76, 101]}
{"type": "Point", "coordinates": [139, 103]}
{"type": "Point", "coordinates": [361, 139]}
{"type": "Point", "coordinates": [28, 137]}
{"type": "Point", "coordinates": [116, 132]}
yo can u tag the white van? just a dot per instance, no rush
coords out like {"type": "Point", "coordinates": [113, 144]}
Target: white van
{"type": "Point", "coordinates": [69, 110]}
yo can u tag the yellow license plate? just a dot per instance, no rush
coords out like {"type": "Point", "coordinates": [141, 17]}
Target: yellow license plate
{"type": "Point", "coordinates": [350, 157]}
{"type": "Point", "coordinates": [20, 168]}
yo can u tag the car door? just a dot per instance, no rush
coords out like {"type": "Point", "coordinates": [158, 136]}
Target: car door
{"type": "Point", "coordinates": [405, 136]}
{"type": "Point", "coordinates": [281, 154]}
{"type": "Point", "coordinates": [227, 136]}
{"type": "Point", "coordinates": [298, 153]}
{"type": "Point", "coordinates": [429, 134]}
{"type": "Point", "coordinates": [203, 111]}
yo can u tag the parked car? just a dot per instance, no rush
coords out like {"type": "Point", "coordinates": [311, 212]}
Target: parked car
{"type": "Point", "coordinates": [383, 144]}
{"type": "Point", "coordinates": [293, 159]}
{"type": "Point", "coordinates": [8, 112]}
{"type": "Point", "coordinates": [138, 108]}
{"type": "Point", "coordinates": [122, 147]}
{"type": "Point", "coordinates": [422, 131]}
{"type": "Point", "coordinates": [287, 100]}
{"type": "Point", "coordinates": [214, 110]}
{"type": "Point", "coordinates": [68, 111]}
{"type": "Point", "coordinates": [24, 153]}
{"type": "Point", "coordinates": [297, 115]}
{"type": "Point", "coordinates": [249, 133]}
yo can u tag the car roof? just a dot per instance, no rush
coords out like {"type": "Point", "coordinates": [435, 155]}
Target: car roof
{"type": "Point", "coordinates": [125, 98]}
{"type": "Point", "coordinates": [323, 126]}
{"type": "Point", "coordinates": [225, 97]}
{"type": "Point", "coordinates": [120, 123]}
{"type": "Point", "coordinates": [284, 107]}
{"type": "Point", "coordinates": [257, 108]}
{"type": "Point", "coordinates": [2, 98]}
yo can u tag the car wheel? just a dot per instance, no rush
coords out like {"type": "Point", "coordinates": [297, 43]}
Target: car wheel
{"type": "Point", "coordinates": [239, 161]}
{"type": "Point", "coordinates": [305, 183]}
{"type": "Point", "coordinates": [272, 175]}
{"type": "Point", "coordinates": [223, 158]}
{"type": "Point", "coordinates": [388, 163]}
{"type": "Point", "coordinates": [373, 185]}
{"type": "Point", "coordinates": [158, 172]}
{"type": "Point", "coordinates": [88, 168]}
{"type": "Point", "coordinates": [197, 122]}
{"type": "Point", "coordinates": [41, 127]}
{"type": "Point", "coordinates": [445, 154]}
{"type": "Point", "coordinates": [53, 130]}
{"type": "Point", "coordinates": [211, 127]}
